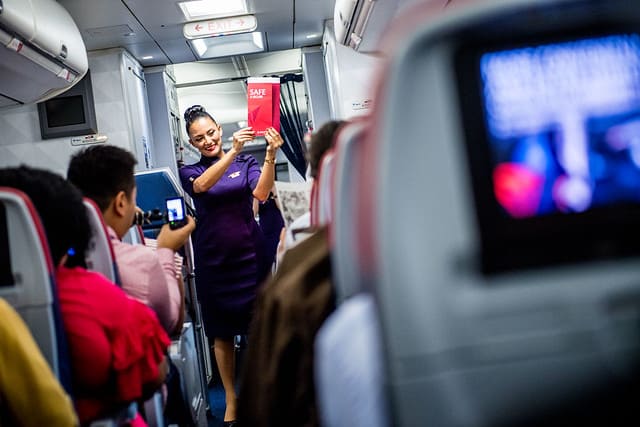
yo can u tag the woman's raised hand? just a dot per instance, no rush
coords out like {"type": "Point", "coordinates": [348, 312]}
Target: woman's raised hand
{"type": "Point", "coordinates": [241, 136]}
{"type": "Point", "coordinates": [273, 138]}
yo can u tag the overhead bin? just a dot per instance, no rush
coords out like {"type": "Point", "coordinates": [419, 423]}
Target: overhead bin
{"type": "Point", "coordinates": [42, 53]}
{"type": "Point", "coordinates": [359, 24]}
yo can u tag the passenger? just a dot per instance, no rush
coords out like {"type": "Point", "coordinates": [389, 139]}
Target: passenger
{"type": "Point", "coordinates": [230, 259]}
{"type": "Point", "coordinates": [116, 343]}
{"type": "Point", "coordinates": [278, 385]}
{"type": "Point", "coordinates": [30, 395]}
{"type": "Point", "coordinates": [271, 224]}
{"type": "Point", "coordinates": [105, 173]}
{"type": "Point", "coordinates": [321, 141]}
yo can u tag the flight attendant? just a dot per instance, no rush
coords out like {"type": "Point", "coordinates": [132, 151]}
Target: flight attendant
{"type": "Point", "coordinates": [230, 256]}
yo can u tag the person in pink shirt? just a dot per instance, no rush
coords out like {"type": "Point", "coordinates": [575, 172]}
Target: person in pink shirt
{"type": "Point", "coordinates": [105, 174]}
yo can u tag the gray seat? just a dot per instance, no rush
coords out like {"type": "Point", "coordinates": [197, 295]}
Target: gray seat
{"type": "Point", "coordinates": [324, 189]}
{"type": "Point", "coordinates": [496, 309]}
{"type": "Point", "coordinates": [28, 279]}
{"type": "Point", "coordinates": [100, 256]}
{"type": "Point", "coordinates": [134, 236]}
{"type": "Point", "coordinates": [347, 278]}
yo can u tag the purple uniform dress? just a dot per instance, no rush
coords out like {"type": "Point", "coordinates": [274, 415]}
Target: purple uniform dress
{"type": "Point", "coordinates": [229, 248]}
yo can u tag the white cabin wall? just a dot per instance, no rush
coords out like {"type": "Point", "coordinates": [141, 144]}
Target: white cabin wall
{"type": "Point", "coordinates": [349, 77]}
{"type": "Point", "coordinates": [20, 140]}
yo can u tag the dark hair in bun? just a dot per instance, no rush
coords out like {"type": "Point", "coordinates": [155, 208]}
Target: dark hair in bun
{"type": "Point", "coordinates": [193, 113]}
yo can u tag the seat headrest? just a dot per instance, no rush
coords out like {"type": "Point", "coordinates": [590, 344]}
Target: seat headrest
{"type": "Point", "coordinates": [324, 189]}
{"type": "Point", "coordinates": [100, 256]}
{"type": "Point", "coordinates": [32, 290]}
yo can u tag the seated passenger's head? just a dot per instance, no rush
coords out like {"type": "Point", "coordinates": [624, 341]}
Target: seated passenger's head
{"type": "Point", "coordinates": [60, 208]}
{"type": "Point", "coordinates": [105, 174]}
{"type": "Point", "coordinates": [321, 141]}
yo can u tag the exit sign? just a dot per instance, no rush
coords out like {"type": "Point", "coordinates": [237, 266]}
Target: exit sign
{"type": "Point", "coordinates": [220, 27]}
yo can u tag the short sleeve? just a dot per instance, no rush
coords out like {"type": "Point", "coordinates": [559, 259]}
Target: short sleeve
{"type": "Point", "coordinates": [137, 350]}
{"type": "Point", "coordinates": [253, 171]}
{"type": "Point", "coordinates": [188, 174]}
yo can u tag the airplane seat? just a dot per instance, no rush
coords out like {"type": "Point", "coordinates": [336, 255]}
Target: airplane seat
{"type": "Point", "coordinates": [348, 366]}
{"type": "Point", "coordinates": [100, 256]}
{"type": "Point", "coordinates": [28, 284]}
{"type": "Point", "coordinates": [28, 279]}
{"type": "Point", "coordinates": [313, 205]}
{"type": "Point", "coordinates": [324, 189]}
{"type": "Point", "coordinates": [347, 281]}
{"type": "Point", "coordinates": [157, 184]}
{"type": "Point", "coordinates": [135, 235]}
{"type": "Point", "coordinates": [503, 237]}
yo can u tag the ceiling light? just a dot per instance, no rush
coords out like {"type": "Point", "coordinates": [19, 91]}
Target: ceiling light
{"type": "Point", "coordinates": [147, 57]}
{"type": "Point", "coordinates": [200, 45]}
{"type": "Point", "coordinates": [235, 44]}
{"type": "Point", "coordinates": [258, 40]}
{"type": "Point", "coordinates": [313, 36]}
{"type": "Point", "coordinates": [205, 9]}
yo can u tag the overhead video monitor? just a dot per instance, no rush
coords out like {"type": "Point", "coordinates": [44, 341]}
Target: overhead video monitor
{"type": "Point", "coordinates": [553, 136]}
{"type": "Point", "coordinates": [71, 113]}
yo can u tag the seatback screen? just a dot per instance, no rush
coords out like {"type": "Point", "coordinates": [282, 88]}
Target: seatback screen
{"type": "Point", "coordinates": [552, 132]}
{"type": "Point", "coordinates": [563, 124]}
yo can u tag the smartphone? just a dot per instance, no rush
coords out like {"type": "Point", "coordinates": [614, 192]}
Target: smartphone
{"type": "Point", "coordinates": [176, 212]}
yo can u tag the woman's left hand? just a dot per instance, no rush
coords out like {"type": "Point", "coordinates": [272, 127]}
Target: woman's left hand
{"type": "Point", "coordinates": [273, 138]}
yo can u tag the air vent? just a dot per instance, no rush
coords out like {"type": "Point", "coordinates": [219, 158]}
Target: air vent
{"type": "Point", "coordinates": [112, 31]}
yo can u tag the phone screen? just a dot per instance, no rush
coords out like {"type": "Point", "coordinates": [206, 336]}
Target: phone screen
{"type": "Point", "coordinates": [176, 212]}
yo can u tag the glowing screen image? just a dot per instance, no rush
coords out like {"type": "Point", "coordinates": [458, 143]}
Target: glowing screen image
{"type": "Point", "coordinates": [174, 210]}
{"type": "Point", "coordinates": [564, 125]}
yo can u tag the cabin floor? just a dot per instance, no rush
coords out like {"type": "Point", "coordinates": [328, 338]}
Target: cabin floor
{"type": "Point", "coordinates": [216, 403]}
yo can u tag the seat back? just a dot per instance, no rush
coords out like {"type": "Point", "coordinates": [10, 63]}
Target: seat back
{"type": "Point", "coordinates": [28, 278]}
{"type": "Point", "coordinates": [100, 256]}
{"type": "Point", "coordinates": [324, 189]}
{"type": "Point", "coordinates": [134, 236]}
{"type": "Point", "coordinates": [155, 186]}
{"type": "Point", "coordinates": [183, 353]}
{"type": "Point", "coordinates": [495, 307]}
{"type": "Point", "coordinates": [348, 279]}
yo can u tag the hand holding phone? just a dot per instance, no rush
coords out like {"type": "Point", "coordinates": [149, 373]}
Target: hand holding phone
{"type": "Point", "coordinates": [176, 212]}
